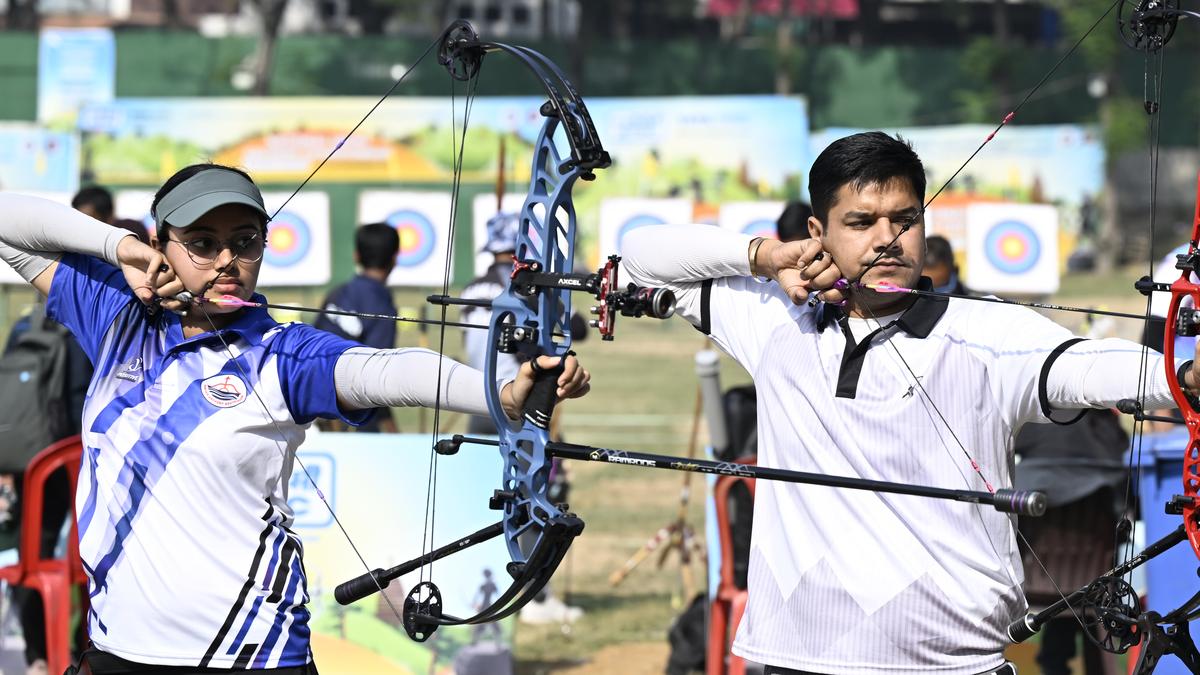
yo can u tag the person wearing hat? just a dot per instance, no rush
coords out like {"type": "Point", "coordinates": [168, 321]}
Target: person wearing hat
{"type": "Point", "coordinates": [502, 244]}
{"type": "Point", "coordinates": [193, 418]}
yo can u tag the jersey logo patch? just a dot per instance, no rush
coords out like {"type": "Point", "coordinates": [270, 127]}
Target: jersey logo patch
{"type": "Point", "coordinates": [224, 391]}
{"type": "Point", "coordinates": [131, 371]}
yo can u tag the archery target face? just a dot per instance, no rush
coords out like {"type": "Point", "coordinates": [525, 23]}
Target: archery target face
{"type": "Point", "coordinates": [417, 237]}
{"type": "Point", "coordinates": [1012, 248]}
{"type": "Point", "coordinates": [639, 220]}
{"type": "Point", "coordinates": [297, 240]}
{"type": "Point", "coordinates": [757, 219]}
{"type": "Point", "coordinates": [761, 228]}
{"type": "Point", "coordinates": [620, 216]}
{"type": "Point", "coordinates": [421, 220]}
{"type": "Point", "coordinates": [289, 239]}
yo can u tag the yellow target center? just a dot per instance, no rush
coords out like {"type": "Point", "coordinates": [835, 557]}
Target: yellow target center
{"type": "Point", "coordinates": [283, 240]}
{"type": "Point", "coordinates": [1013, 247]}
{"type": "Point", "coordinates": [408, 239]}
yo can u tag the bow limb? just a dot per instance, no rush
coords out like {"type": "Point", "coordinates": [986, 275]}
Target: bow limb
{"type": "Point", "coordinates": [529, 320]}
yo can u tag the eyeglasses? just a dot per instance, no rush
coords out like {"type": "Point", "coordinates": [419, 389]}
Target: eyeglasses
{"type": "Point", "coordinates": [203, 250]}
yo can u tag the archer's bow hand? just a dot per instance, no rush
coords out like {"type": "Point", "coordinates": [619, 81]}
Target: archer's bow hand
{"type": "Point", "coordinates": [800, 268]}
{"type": "Point", "coordinates": [572, 382]}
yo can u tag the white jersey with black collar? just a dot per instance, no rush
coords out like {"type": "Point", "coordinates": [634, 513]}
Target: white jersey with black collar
{"type": "Point", "coordinates": [850, 581]}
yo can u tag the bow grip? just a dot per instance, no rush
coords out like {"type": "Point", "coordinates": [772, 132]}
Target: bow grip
{"type": "Point", "coordinates": [1020, 502]}
{"type": "Point", "coordinates": [360, 587]}
{"type": "Point", "coordinates": [539, 405]}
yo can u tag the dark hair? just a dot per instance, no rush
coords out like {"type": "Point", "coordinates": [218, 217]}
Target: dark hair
{"type": "Point", "coordinates": [793, 222]}
{"type": "Point", "coordinates": [938, 251]}
{"type": "Point", "coordinates": [137, 228]}
{"type": "Point", "coordinates": [186, 173]}
{"type": "Point", "coordinates": [869, 158]}
{"type": "Point", "coordinates": [376, 245]}
{"type": "Point", "coordinates": [98, 198]}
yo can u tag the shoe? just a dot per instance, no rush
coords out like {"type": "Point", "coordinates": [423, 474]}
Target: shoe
{"type": "Point", "coordinates": [550, 610]}
{"type": "Point", "coordinates": [38, 667]}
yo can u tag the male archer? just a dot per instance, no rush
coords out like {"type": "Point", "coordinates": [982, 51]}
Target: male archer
{"type": "Point", "coordinates": [895, 387]}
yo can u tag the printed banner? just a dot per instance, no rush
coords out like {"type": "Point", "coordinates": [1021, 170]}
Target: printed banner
{"type": "Point", "coordinates": [1061, 163]}
{"type": "Point", "coordinates": [620, 216]}
{"type": "Point", "coordinates": [1012, 248]}
{"type": "Point", "coordinates": [710, 144]}
{"type": "Point", "coordinates": [757, 219]}
{"type": "Point", "coordinates": [368, 481]}
{"type": "Point", "coordinates": [483, 208]}
{"type": "Point", "coordinates": [297, 240]}
{"type": "Point", "coordinates": [76, 66]}
{"type": "Point", "coordinates": [421, 219]}
{"type": "Point", "coordinates": [33, 158]}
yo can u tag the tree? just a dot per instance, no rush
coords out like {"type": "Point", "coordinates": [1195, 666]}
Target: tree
{"type": "Point", "coordinates": [22, 15]}
{"type": "Point", "coordinates": [270, 14]}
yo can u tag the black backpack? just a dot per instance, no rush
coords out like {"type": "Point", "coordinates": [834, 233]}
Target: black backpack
{"type": "Point", "coordinates": [33, 406]}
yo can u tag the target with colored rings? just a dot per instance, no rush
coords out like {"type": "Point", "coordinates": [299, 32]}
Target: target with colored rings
{"type": "Point", "coordinates": [289, 239]}
{"type": "Point", "coordinates": [634, 222]}
{"type": "Point", "coordinates": [1012, 247]}
{"type": "Point", "coordinates": [763, 227]}
{"type": "Point", "coordinates": [417, 237]}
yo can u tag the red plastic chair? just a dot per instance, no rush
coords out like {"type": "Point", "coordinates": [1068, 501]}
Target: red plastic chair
{"type": "Point", "coordinates": [53, 578]}
{"type": "Point", "coordinates": [729, 602]}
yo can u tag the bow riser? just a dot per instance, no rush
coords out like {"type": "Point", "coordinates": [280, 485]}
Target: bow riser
{"type": "Point", "coordinates": [545, 241]}
{"type": "Point", "coordinates": [1183, 323]}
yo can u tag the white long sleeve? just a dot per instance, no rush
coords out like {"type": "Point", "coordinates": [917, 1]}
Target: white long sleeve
{"type": "Point", "coordinates": [28, 264]}
{"type": "Point", "coordinates": [682, 257]}
{"type": "Point", "coordinates": [1098, 373]}
{"type": "Point", "coordinates": [32, 225]}
{"type": "Point", "coordinates": [378, 378]}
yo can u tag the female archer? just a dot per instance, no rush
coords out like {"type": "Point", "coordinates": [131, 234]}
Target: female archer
{"type": "Point", "coordinates": [193, 418]}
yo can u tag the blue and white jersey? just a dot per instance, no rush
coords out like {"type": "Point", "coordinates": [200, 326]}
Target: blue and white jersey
{"type": "Point", "coordinates": [184, 525]}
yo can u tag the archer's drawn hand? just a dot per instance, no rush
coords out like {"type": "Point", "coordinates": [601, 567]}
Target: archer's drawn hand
{"type": "Point", "coordinates": [573, 382]}
{"type": "Point", "coordinates": [149, 275]}
{"type": "Point", "coordinates": [800, 268]}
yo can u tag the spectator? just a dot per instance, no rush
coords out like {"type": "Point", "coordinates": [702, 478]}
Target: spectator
{"type": "Point", "coordinates": [793, 222]}
{"type": "Point", "coordinates": [376, 246]}
{"type": "Point", "coordinates": [941, 268]}
{"type": "Point", "coordinates": [1079, 466]}
{"type": "Point", "coordinates": [95, 201]}
{"type": "Point", "coordinates": [135, 227]}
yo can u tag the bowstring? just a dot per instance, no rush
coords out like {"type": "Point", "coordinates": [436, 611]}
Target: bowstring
{"type": "Point", "coordinates": [295, 456]}
{"type": "Point", "coordinates": [974, 465]}
{"type": "Point", "coordinates": [342, 142]}
{"type": "Point", "coordinates": [1153, 101]}
{"type": "Point", "coordinates": [1003, 122]}
{"type": "Point", "coordinates": [905, 228]}
{"type": "Point", "coordinates": [457, 149]}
